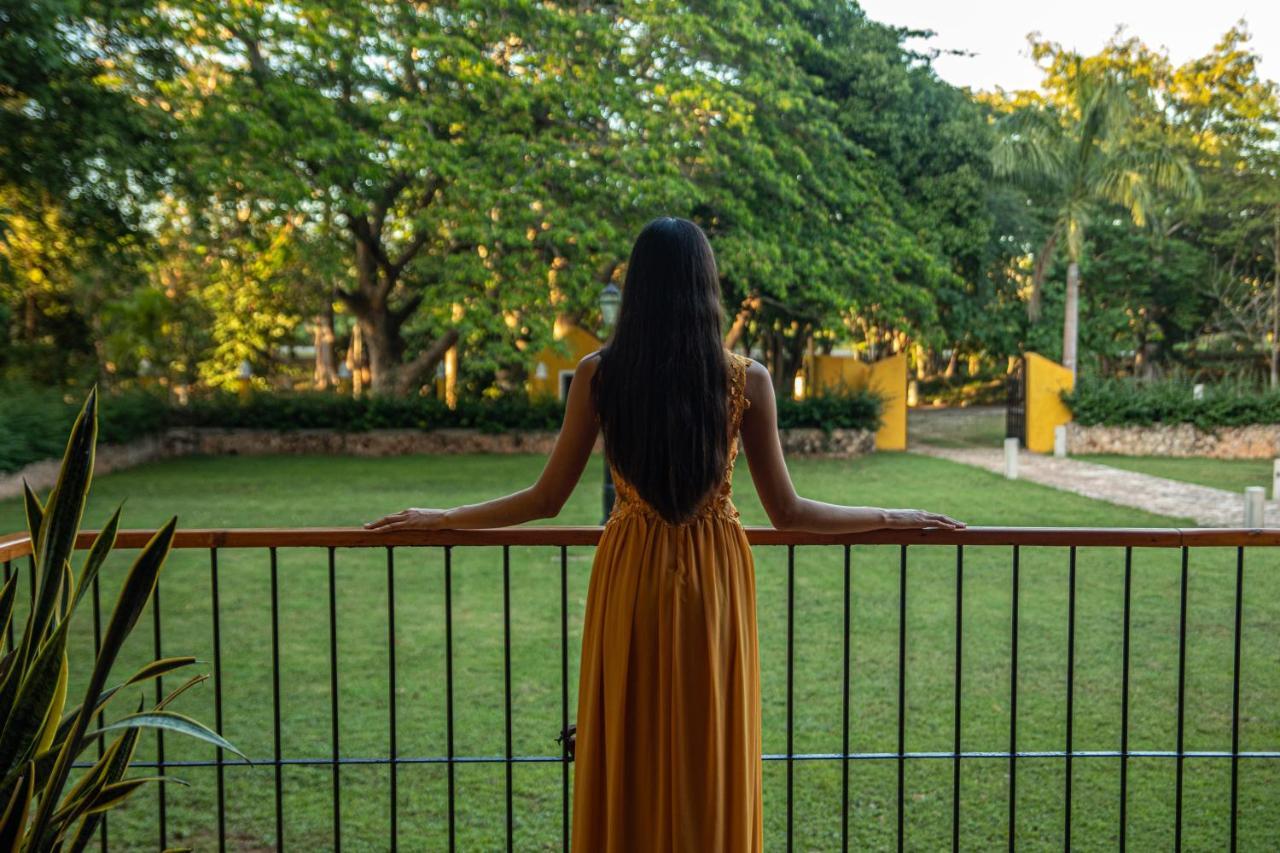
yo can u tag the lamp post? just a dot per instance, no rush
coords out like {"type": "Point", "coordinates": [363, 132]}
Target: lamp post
{"type": "Point", "coordinates": [610, 299]}
{"type": "Point", "coordinates": [244, 377]}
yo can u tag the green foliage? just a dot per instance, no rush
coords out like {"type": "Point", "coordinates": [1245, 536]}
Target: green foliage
{"type": "Point", "coordinates": [38, 741]}
{"type": "Point", "coordinates": [317, 410]}
{"type": "Point", "coordinates": [32, 419]}
{"type": "Point", "coordinates": [848, 410]}
{"type": "Point", "coordinates": [1128, 402]}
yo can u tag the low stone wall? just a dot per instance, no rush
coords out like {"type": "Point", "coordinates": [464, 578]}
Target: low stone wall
{"type": "Point", "coordinates": [839, 443]}
{"type": "Point", "coordinates": [1257, 441]}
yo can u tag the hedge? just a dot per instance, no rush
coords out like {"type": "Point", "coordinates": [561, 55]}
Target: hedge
{"type": "Point", "coordinates": [1127, 402]}
{"type": "Point", "coordinates": [34, 421]}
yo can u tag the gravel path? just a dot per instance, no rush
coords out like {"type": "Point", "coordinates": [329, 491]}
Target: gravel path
{"type": "Point", "coordinates": [1207, 507]}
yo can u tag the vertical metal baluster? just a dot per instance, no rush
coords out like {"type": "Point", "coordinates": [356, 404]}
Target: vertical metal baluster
{"type": "Point", "coordinates": [1235, 695]}
{"type": "Point", "coordinates": [1124, 699]}
{"type": "Point", "coordinates": [506, 691]}
{"type": "Point", "coordinates": [448, 687]}
{"type": "Point", "coordinates": [902, 689]}
{"type": "Point", "coordinates": [1071, 686]}
{"type": "Point", "coordinates": [391, 691]}
{"type": "Point", "coordinates": [955, 762]}
{"type": "Point", "coordinates": [275, 698]}
{"type": "Point", "coordinates": [844, 749]}
{"type": "Point", "coordinates": [1013, 708]}
{"type": "Point", "coordinates": [160, 789]}
{"type": "Point", "coordinates": [335, 766]}
{"type": "Point", "coordinates": [97, 648]}
{"type": "Point", "coordinates": [791, 647]}
{"type": "Point", "coordinates": [1182, 692]}
{"type": "Point", "coordinates": [564, 692]}
{"type": "Point", "coordinates": [220, 759]}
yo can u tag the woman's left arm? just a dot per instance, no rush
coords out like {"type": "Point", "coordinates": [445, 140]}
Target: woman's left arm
{"type": "Point", "coordinates": [546, 497]}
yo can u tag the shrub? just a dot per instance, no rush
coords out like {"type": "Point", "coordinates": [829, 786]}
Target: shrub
{"type": "Point", "coordinates": [42, 737]}
{"type": "Point", "coordinates": [34, 419]}
{"type": "Point", "coordinates": [851, 410]}
{"type": "Point", "coordinates": [1128, 402]}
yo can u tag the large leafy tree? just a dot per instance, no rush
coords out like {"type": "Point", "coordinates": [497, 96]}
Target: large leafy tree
{"type": "Point", "coordinates": [1085, 147]}
{"type": "Point", "coordinates": [483, 161]}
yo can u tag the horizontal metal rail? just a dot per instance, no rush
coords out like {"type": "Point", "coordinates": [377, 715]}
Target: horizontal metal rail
{"type": "Point", "coordinates": [15, 545]}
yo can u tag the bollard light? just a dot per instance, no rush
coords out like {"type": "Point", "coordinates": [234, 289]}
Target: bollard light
{"type": "Point", "coordinates": [1060, 441]}
{"type": "Point", "coordinates": [1254, 502]}
{"type": "Point", "coordinates": [1011, 458]}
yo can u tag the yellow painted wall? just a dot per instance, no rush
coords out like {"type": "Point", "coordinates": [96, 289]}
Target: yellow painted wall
{"type": "Point", "coordinates": [888, 377]}
{"type": "Point", "coordinates": [1046, 380]}
{"type": "Point", "coordinates": [579, 343]}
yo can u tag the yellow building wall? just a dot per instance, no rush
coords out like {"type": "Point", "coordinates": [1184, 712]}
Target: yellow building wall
{"type": "Point", "coordinates": [888, 377]}
{"type": "Point", "coordinates": [1046, 380]}
{"type": "Point", "coordinates": [580, 344]}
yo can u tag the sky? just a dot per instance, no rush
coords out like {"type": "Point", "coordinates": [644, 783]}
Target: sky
{"type": "Point", "coordinates": [996, 31]}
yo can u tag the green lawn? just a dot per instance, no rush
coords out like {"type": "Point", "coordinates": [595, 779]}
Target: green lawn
{"type": "Point", "coordinates": [1234, 475]}
{"type": "Point", "coordinates": [323, 491]}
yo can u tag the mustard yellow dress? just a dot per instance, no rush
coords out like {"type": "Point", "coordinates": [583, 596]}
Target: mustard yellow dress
{"type": "Point", "coordinates": [668, 740]}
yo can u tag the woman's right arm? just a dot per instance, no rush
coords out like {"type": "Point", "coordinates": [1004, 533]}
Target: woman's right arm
{"type": "Point", "coordinates": [786, 509]}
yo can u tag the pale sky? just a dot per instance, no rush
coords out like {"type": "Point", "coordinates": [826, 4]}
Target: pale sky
{"type": "Point", "coordinates": [996, 31]}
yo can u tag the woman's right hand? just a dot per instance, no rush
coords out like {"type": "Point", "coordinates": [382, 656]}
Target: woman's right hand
{"type": "Point", "coordinates": [913, 519]}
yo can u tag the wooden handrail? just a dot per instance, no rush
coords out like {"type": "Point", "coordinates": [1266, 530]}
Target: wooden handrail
{"type": "Point", "coordinates": [15, 545]}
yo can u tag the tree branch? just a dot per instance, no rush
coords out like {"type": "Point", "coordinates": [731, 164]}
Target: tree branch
{"type": "Point", "coordinates": [411, 372]}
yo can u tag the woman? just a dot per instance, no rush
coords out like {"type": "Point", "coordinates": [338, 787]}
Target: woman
{"type": "Point", "coordinates": [668, 724]}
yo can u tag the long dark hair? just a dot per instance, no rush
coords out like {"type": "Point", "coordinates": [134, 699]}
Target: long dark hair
{"type": "Point", "coordinates": [661, 388]}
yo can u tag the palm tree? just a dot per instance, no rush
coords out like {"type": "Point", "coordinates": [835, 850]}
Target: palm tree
{"type": "Point", "coordinates": [1080, 156]}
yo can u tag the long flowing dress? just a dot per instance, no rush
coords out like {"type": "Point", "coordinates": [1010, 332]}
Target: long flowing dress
{"type": "Point", "coordinates": [668, 740]}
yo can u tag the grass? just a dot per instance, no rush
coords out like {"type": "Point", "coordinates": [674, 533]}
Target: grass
{"type": "Point", "coordinates": [1234, 475]}
{"type": "Point", "coordinates": [971, 426]}
{"type": "Point", "coordinates": [327, 491]}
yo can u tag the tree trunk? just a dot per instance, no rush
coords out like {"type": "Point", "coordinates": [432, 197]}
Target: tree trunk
{"type": "Point", "coordinates": [1275, 307]}
{"type": "Point", "coordinates": [325, 375]}
{"type": "Point", "coordinates": [1071, 319]}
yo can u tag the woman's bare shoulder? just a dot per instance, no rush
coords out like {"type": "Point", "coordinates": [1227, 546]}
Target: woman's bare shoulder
{"type": "Point", "coordinates": [758, 382]}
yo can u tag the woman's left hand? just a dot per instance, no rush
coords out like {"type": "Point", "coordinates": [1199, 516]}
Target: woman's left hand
{"type": "Point", "coordinates": [409, 519]}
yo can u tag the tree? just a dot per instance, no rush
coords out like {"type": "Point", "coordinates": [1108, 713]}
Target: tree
{"type": "Point", "coordinates": [1079, 150]}
{"type": "Point", "coordinates": [484, 161]}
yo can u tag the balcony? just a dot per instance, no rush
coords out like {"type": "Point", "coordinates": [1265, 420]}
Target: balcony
{"type": "Point", "coordinates": [1021, 686]}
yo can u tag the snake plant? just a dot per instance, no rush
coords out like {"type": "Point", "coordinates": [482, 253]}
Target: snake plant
{"type": "Point", "coordinates": [42, 739]}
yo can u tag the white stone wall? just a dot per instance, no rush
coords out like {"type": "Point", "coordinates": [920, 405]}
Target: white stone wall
{"type": "Point", "coordinates": [1256, 441]}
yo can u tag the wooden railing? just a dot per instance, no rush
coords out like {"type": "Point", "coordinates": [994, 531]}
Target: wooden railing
{"type": "Point", "coordinates": [15, 547]}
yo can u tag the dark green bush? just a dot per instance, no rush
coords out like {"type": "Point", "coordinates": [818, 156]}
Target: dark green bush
{"type": "Point", "coordinates": [33, 419]}
{"type": "Point", "coordinates": [1125, 402]}
{"type": "Point", "coordinates": [855, 410]}
{"type": "Point", "coordinates": [316, 410]}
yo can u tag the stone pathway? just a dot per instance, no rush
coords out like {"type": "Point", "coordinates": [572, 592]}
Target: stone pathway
{"type": "Point", "coordinates": [1207, 507]}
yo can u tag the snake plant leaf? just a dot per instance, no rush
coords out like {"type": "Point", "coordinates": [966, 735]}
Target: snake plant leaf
{"type": "Point", "coordinates": [112, 795]}
{"type": "Point", "coordinates": [122, 749]}
{"type": "Point", "coordinates": [35, 515]}
{"type": "Point", "coordinates": [155, 669]}
{"type": "Point", "coordinates": [182, 688]}
{"type": "Point", "coordinates": [66, 596]}
{"type": "Point", "coordinates": [8, 594]}
{"type": "Point", "coordinates": [33, 702]}
{"type": "Point", "coordinates": [134, 594]}
{"type": "Point", "coordinates": [170, 721]}
{"type": "Point", "coordinates": [15, 814]}
{"type": "Point", "coordinates": [50, 726]}
{"type": "Point", "coordinates": [62, 515]}
{"type": "Point", "coordinates": [102, 545]}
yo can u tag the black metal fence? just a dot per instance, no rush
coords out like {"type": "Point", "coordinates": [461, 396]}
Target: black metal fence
{"type": "Point", "coordinates": [331, 541]}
